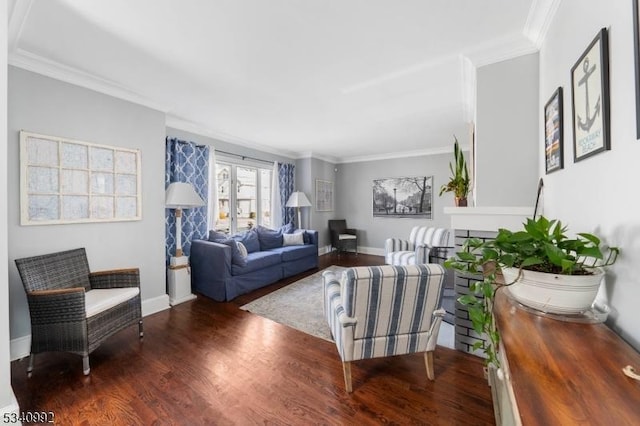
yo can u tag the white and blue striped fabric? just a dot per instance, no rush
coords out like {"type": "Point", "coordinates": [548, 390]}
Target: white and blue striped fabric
{"type": "Point", "coordinates": [379, 311]}
{"type": "Point", "coordinates": [415, 250]}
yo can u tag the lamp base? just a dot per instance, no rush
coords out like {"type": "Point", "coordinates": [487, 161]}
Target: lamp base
{"type": "Point", "coordinates": [178, 261]}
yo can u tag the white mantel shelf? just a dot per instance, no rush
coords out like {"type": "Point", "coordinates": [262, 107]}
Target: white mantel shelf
{"type": "Point", "coordinates": [488, 218]}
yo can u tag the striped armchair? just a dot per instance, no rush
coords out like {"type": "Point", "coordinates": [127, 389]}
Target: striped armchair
{"type": "Point", "coordinates": [415, 250]}
{"type": "Point", "coordinates": [74, 310]}
{"type": "Point", "coordinates": [380, 311]}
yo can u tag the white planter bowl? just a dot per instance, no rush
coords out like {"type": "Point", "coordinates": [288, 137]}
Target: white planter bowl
{"type": "Point", "coordinates": [557, 294]}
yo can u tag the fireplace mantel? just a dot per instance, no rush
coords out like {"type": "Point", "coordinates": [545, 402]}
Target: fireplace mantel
{"type": "Point", "coordinates": [488, 218]}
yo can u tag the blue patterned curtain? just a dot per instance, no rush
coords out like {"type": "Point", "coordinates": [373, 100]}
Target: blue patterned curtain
{"type": "Point", "coordinates": [285, 177]}
{"type": "Point", "coordinates": [186, 162]}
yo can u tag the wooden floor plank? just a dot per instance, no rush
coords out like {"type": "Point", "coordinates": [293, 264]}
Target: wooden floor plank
{"type": "Point", "coordinates": [205, 362]}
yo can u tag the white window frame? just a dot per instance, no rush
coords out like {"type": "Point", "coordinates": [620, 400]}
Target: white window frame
{"type": "Point", "coordinates": [233, 188]}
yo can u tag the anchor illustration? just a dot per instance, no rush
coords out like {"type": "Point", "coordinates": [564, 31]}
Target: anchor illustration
{"type": "Point", "coordinates": [588, 123]}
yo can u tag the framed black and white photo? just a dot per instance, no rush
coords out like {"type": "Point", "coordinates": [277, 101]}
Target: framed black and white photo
{"type": "Point", "coordinates": [553, 133]}
{"type": "Point", "coordinates": [410, 197]}
{"type": "Point", "coordinates": [590, 99]}
{"type": "Point", "coordinates": [636, 47]}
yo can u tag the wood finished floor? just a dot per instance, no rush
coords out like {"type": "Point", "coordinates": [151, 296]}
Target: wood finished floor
{"type": "Point", "coordinates": [204, 362]}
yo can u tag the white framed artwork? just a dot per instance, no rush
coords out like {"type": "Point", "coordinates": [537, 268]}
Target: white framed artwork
{"type": "Point", "coordinates": [68, 181]}
{"type": "Point", "coordinates": [324, 196]}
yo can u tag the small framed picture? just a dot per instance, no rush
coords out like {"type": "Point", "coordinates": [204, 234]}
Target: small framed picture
{"type": "Point", "coordinates": [590, 99]}
{"type": "Point", "coordinates": [553, 133]}
{"type": "Point", "coordinates": [324, 196]}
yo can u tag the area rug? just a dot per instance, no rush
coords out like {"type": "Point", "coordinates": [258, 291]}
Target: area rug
{"type": "Point", "coordinates": [298, 305]}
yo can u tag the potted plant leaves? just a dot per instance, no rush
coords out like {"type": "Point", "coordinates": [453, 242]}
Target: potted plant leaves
{"type": "Point", "coordinates": [542, 268]}
{"type": "Point", "coordinates": [459, 183]}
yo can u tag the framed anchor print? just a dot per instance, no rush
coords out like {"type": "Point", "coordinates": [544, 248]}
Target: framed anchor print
{"type": "Point", "coordinates": [590, 99]}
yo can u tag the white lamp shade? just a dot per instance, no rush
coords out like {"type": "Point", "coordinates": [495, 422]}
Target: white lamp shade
{"type": "Point", "coordinates": [298, 199]}
{"type": "Point", "coordinates": [181, 195]}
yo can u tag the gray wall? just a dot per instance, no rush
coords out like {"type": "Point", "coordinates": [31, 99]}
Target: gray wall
{"type": "Point", "coordinates": [507, 133]}
{"type": "Point", "coordinates": [44, 105]}
{"type": "Point", "coordinates": [598, 194]}
{"type": "Point", "coordinates": [7, 399]}
{"type": "Point", "coordinates": [354, 196]}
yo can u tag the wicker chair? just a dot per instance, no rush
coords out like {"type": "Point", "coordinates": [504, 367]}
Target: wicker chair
{"type": "Point", "coordinates": [74, 310]}
{"type": "Point", "coordinates": [342, 238]}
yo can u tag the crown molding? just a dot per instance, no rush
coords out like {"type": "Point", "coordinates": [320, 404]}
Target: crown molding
{"type": "Point", "coordinates": [310, 154]}
{"type": "Point", "coordinates": [539, 20]}
{"type": "Point", "coordinates": [19, 10]}
{"type": "Point", "coordinates": [395, 155]}
{"type": "Point", "coordinates": [502, 49]}
{"type": "Point", "coordinates": [468, 89]}
{"type": "Point", "coordinates": [200, 129]}
{"type": "Point", "coordinates": [32, 62]}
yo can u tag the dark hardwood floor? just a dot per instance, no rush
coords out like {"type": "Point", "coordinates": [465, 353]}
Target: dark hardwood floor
{"type": "Point", "coordinates": [204, 362]}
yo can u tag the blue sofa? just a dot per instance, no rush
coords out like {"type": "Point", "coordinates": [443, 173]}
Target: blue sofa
{"type": "Point", "coordinates": [215, 275]}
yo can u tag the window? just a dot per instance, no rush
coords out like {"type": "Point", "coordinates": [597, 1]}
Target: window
{"type": "Point", "coordinates": [244, 197]}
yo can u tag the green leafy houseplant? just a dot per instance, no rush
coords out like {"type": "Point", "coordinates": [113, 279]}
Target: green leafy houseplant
{"type": "Point", "coordinates": [542, 246]}
{"type": "Point", "coordinates": [459, 182]}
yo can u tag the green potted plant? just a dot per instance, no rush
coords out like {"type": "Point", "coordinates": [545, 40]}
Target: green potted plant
{"type": "Point", "coordinates": [543, 268]}
{"type": "Point", "coordinates": [459, 182]}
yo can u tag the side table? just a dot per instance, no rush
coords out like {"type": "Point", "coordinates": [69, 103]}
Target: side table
{"type": "Point", "coordinates": [179, 283]}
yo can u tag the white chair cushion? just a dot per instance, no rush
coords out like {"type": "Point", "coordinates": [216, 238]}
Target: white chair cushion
{"type": "Point", "coordinates": [99, 300]}
{"type": "Point", "coordinates": [346, 237]}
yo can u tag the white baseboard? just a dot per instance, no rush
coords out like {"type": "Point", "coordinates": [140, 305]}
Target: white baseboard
{"type": "Point", "coordinates": [21, 347]}
{"type": "Point", "coordinates": [324, 250]}
{"type": "Point", "coordinates": [376, 251]}
{"type": "Point", "coordinates": [13, 407]}
{"type": "Point", "coordinates": [157, 304]}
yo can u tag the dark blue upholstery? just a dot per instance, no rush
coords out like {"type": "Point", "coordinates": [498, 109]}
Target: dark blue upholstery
{"type": "Point", "coordinates": [214, 275]}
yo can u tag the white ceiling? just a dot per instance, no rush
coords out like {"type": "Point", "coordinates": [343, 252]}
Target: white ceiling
{"type": "Point", "coordinates": [343, 80]}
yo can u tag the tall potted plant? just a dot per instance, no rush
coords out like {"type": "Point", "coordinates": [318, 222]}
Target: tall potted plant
{"type": "Point", "coordinates": [459, 182]}
{"type": "Point", "coordinates": [542, 267]}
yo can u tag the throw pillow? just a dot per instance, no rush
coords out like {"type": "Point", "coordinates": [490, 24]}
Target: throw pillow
{"type": "Point", "coordinates": [249, 239]}
{"type": "Point", "coordinates": [216, 235]}
{"type": "Point", "coordinates": [236, 256]}
{"type": "Point", "coordinates": [269, 238]}
{"type": "Point", "coordinates": [296, 239]}
{"type": "Point", "coordinates": [305, 237]}
{"type": "Point", "coordinates": [243, 249]}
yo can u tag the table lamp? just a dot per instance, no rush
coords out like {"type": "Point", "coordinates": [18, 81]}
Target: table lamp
{"type": "Point", "coordinates": [179, 196]}
{"type": "Point", "coordinates": [297, 200]}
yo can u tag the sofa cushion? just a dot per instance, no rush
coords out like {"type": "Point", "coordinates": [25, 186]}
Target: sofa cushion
{"type": "Point", "coordinates": [217, 235]}
{"type": "Point", "coordinates": [289, 253]}
{"type": "Point", "coordinates": [249, 239]}
{"type": "Point", "coordinates": [296, 239]}
{"type": "Point", "coordinates": [256, 261]}
{"type": "Point", "coordinates": [101, 299]}
{"type": "Point", "coordinates": [237, 258]}
{"type": "Point", "coordinates": [269, 238]}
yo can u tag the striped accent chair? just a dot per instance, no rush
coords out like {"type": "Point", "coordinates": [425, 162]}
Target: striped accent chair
{"type": "Point", "coordinates": [74, 310]}
{"type": "Point", "coordinates": [380, 311]}
{"type": "Point", "coordinates": [415, 250]}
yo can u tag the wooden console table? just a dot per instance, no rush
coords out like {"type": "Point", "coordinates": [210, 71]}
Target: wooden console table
{"type": "Point", "coordinates": [563, 373]}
